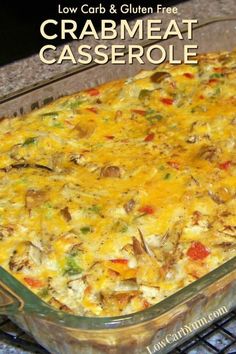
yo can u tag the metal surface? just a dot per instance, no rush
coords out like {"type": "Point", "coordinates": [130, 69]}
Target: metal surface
{"type": "Point", "coordinates": [218, 338]}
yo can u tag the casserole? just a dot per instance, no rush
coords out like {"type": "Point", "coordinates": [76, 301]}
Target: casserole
{"type": "Point", "coordinates": [142, 326]}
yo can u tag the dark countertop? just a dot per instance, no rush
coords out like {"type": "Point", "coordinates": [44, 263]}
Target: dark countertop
{"type": "Point", "coordinates": [31, 70]}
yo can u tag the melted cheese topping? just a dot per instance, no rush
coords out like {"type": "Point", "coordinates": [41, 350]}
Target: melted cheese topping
{"type": "Point", "coordinates": [116, 197]}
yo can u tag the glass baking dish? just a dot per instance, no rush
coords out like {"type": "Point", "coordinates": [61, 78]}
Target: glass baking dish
{"type": "Point", "coordinates": [154, 329]}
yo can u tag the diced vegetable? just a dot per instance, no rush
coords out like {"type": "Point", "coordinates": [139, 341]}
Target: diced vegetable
{"type": "Point", "coordinates": [85, 229]}
{"type": "Point", "coordinates": [34, 283]}
{"type": "Point", "coordinates": [219, 69]}
{"type": "Point", "coordinates": [149, 137]}
{"type": "Point", "coordinates": [147, 209]}
{"type": "Point", "coordinates": [120, 260]}
{"type": "Point", "coordinates": [29, 141]}
{"type": "Point", "coordinates": [146, 304]}
{"type": "Point", "coordinates": [188, 75]}
{"type": "Point", "coordinates": [225, 165]}
{"type": "Point", "coordinates": [95, 209]}
{"type": "Point", "coordinates": [167, 101]}
{"type": "Point", "coordinates": [92, 109]}
{"type": "Point", "coordinates": [74, 104]}
{"type": "Point", "coordinates": [174, 164]}
{"type": "Point", "coordinates": [93, 92]}
{"type": "Point", "coordinates": [139, 111]}
{"type": "Point", "coordinates": [120, 226]}
{"type": "Point", "coordinates": [153, 117]}
{"type": "Point", "coordinates": [144, 94]}
{"type": "Point", "coordinates": [167, 176]}
{"type": "Point", "coordinates": [43, 292]}
{"type": "Point", "coordinates": [49, 114]}
{"type": "Point", "coordinates": [57, 124]}
{"type": "Point", "coordinates": [72, 267]}
{"type": "Point", "coordinates": [213, 81]}
{"type": "Point", "coordinates": [216, 76]}
{"type": "Point", "coordinates": [197, 251]}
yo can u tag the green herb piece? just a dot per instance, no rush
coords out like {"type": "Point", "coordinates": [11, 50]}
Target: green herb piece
{"type": "Point", "coordinates": [95, 209]}
{"type": "Point", "coordinates": [120, 226]}
{"type": "Point", "coordinates": [75, 104]}
{"type": "Point", "coordinates": [150, 111]}
{"type": "Point", "coordinates": [153, 120]}
{"type": "Point", "coordinates": [98, 146]}
{"type": "Point", "coordinates": [57, 124]}
{"type": "Point", "coordinates": [50, 114]}
{"type": "Point", "coordinates": [139, 216]}
{"type": "Point", "coordinates": [217, 91]}
{"type": "Point", "coordinates": [143, 94]}
{"type": "Point", "coordinates": [85, 229]}
{"type": "Point", "coordinates": [216, 76]}
{"type": "Point", "coordinates": [167, 176]}
{"type": "Point", "coordinates": [43, 292]}
{"type": "Point", "coordinates": [174, 126]}
{"type": "Point", "coordinates": [72, 267]}
{"type": "Point", "coordinates": [48, 205]}
{"type": "Point", "coordinates": [153, 116]}
{"type": "Point", "coordinates": [198, 109]}
{"type": "Point", "coordinates": [21, 180]}
{"type": "Point", "coordinates": [29, 141]}
{"type": "Point", "coordinates": [75, 252]}
{"type": "Point", "coordinates": [48, 210]}
{"type": "Point", "coordinates": [124, 228]}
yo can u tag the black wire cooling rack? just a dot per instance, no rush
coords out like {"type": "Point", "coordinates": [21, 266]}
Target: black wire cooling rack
{"type": "Point", "coordinates": [219, 338]}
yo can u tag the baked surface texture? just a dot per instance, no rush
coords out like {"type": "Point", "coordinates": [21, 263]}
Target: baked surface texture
{"type": "Point", "coordinates": [114, 198]}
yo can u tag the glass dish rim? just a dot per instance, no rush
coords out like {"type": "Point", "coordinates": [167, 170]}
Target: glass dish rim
{"type": "Point", "coordinates": [25, 301]}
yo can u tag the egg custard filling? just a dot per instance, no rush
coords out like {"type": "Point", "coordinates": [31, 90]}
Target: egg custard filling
{"type": "Point", "coordinates": [114, 198]}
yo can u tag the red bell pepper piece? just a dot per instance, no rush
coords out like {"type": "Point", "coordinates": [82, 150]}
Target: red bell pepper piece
{"type": "Point", "coordinates": [149, 137]}
{"type": "Point", "coordinates": [213, 81]}
{"type": "Point", "coordinates": [139, 111]}
{"type": "Point", "coordinates": [167, 101]}
{"type": "Point", "coordinates": [189, 75]}
{"type": "Point", "coordinates": [173, 164]}
{"type": "Point", "coordinates": [93, 92]}
{"type": "Point", "coordinates": [219, 70]}
{"type": "Point", "coordinates": [120, 261]}
{"type": "Point", "coordinates": [197, 251]}
{"type": "Point", "coordinates": [35, 283]}
{"type": "Point", "coordinates": [147, 209]}
{"type": "Point", "coordinates": [225, 165]}
{"type": "Point", "coordinates": [92, 109]}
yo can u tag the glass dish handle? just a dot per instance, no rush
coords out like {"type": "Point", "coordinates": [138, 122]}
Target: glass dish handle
{"type": "Point", "coordinates": [10, 303]}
